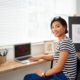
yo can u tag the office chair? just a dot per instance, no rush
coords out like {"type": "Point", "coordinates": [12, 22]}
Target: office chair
{"type": "Point", "coordinates": [51, 64]}
{"type": "Point", "coordinates": [78, 69]}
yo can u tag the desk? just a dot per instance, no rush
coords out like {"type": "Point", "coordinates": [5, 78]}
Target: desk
{"type": "Point", "coordinates": [12, 70]}
{"type": "Point", "coordinates": [13, 65]}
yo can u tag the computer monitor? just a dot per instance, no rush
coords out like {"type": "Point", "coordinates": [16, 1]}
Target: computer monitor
{"type": "Point", "coordinates": [22, 50]}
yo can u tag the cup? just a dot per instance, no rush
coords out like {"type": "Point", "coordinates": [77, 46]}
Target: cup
{"type": "Point", "coordinates": [2, 59]}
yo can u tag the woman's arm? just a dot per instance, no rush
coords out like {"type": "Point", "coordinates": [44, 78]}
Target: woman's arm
{"type": "Point", "coordinates": [47, 57]}
{"type": "Point", "coordinates": [43, 56]}
{"type": "Point", "coordinates": [60, 65]}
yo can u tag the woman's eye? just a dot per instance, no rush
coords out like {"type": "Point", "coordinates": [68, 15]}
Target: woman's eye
{"type": "Point", "coordinates": [58, 26]}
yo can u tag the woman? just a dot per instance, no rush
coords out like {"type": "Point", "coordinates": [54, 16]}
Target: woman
{"type": "Point", "coordinates": [65, 68]}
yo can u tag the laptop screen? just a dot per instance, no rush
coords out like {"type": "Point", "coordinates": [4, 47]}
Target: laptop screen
{"type": "Point", "coordinates": [22, 50]}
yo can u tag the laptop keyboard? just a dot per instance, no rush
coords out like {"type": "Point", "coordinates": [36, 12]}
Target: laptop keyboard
{"type": "Point", "coordinates": [25, 58]}
{"type": "Point", "coordinates": [25, 61]}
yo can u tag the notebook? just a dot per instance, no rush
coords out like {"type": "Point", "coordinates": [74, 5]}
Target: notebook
{"type": "Point", "coordinates": [22, 52]}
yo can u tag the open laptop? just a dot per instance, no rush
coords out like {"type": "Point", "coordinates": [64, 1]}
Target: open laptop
{"type": "Point", "coordinates": [22, 52]}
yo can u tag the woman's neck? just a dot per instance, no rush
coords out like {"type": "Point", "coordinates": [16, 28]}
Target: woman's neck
{"type": "Point", "coordinates": [61, 37]}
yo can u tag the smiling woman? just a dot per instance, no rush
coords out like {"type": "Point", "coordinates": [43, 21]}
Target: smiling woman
{"type": "Point", "coordinates": [64, 54]}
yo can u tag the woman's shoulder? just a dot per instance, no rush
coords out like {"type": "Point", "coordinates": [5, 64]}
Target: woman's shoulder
{"type": "Point", "coordinates": [67, 40]}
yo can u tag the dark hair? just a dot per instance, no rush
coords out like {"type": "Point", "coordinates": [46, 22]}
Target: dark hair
{"type": "Point", "coordinates": [62, 21]}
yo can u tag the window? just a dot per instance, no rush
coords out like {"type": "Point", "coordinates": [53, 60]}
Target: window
{"type": "Point", "coordinates": [26, 20]}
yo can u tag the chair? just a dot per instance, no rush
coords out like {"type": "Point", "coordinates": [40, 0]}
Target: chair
{"type": "Point", "coordinates": [51, 64]}
{"type": "Point", "coordinates": [78, 69]}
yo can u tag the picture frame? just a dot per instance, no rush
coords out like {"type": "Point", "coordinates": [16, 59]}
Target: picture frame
{"type": "Point", "coordinates": [48, 46]}
{"type": "Point", "coordinates": [74, 30]}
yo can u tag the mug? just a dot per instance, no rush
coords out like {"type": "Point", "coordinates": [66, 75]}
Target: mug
{"type": "Point", "coordinates": [2, 59]}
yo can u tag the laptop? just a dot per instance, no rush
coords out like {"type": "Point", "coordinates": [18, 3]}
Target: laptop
{"type": "Point", "coordinates": [22, 52]}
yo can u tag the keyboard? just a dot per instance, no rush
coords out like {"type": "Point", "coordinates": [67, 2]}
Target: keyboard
{"type": "Point", "coordinates": [24, 58]}
{"type": "Point", "coordinates": [26, 61]}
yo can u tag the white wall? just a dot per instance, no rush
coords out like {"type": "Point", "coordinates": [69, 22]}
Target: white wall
{"type": "Point", "coordinates": [25, 20]}
{"type": "Point", "coordinates": [78, 7]}
{"type": "Point", "coordinates": [66, 7]}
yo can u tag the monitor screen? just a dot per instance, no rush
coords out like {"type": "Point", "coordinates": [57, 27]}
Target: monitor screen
{"type": "Point", "coordinates": [22, 50]}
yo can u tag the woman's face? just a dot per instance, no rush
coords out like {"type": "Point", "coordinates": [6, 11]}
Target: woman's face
{"type": "Point", "coordinates": [58, 29]}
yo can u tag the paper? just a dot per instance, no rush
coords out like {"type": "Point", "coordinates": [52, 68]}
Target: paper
{"type": "Point", "coordinates": [76, 33]}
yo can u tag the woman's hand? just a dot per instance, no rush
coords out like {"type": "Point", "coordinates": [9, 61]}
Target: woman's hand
{"type": "Point", "coordinates": [34, 58]}
{"type": "Point", "coordinates": [46, 57]}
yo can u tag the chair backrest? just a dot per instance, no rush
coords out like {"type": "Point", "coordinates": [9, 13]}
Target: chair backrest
{"type": "Point", "coordinates": [78, 65]}
{"type": "Point", "coordinates": [51, 64]}
{"type": "Point", "coordinates": [78, 68]}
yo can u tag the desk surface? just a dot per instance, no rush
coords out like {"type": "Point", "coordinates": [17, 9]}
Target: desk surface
{"type": "Point", "coordinates": [14, 65]}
